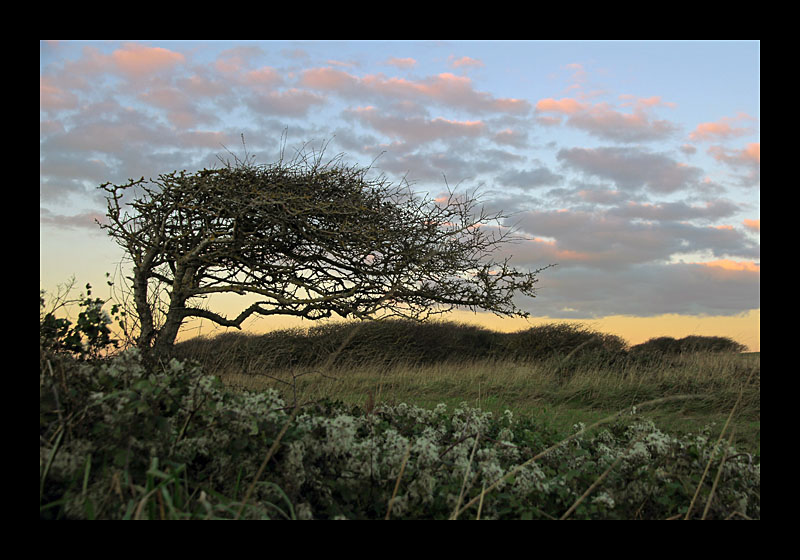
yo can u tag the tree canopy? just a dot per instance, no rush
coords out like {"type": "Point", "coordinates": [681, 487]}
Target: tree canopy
{"type": "Point", "coordinates": [311, 238]}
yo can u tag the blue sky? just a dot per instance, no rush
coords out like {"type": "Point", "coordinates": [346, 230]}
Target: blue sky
{"type": "Point", "coordinates": [633, 165]}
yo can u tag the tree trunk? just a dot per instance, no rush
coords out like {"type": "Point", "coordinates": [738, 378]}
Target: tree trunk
{"type": "Point", "coordinates": [165, 340]}
{"type": "Point", "coordinates": [146, 328]}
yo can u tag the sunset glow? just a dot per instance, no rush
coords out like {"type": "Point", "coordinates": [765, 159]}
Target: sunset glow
{"type": "Point", "coordinates": [632, 166]}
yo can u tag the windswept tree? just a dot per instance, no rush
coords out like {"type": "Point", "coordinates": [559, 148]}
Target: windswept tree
{"type": "Point", "coordinates": [310, 239]}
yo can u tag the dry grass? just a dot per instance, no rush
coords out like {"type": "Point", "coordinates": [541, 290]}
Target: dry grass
{"type": "Point", "coordinates": [550, 389]}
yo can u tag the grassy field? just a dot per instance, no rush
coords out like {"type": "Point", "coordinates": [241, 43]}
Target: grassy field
{"type": "Point", "coordinates": [396, 420]}
{"type": "Point", "coordinates": [559, 388]}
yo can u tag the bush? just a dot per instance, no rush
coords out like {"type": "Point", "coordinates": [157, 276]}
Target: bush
{"type": "Point", "coordinates": [121, 441]}
{"type": "Point", "coordinates": [380, 342]}
{"type": "Point", "coordinates": [561, 340]}
{"type": "Point", "coordinates": [90, 337]}
{"type": "Point", "coordinates": [710, 344]}
{"type": "Point", "coordinates": [670, 346]}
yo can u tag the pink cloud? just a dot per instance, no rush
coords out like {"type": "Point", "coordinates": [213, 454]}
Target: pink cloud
{"type": "Point", "coordinates": [548, 121]}
{"type": "Point", "coordinates": [137, 60]}
{"type": "Point", "coordinates": [753, 225]}
{"type": "Point", "coordinates": [401, 62]}
{"type": "Point", "coordinates": [750, 155]}
{"type": "Point", "coordinates": [445, 88]}
{"type": "Point", "coordinates": [727, 264]}
{"type": "Point", "coordinates": [549, 250]}
{"type": "Point", "coordinates": [511, 138]}
{"type": "Point", "coordinates": [417, 129]}
{"type": "Point", "coordinates": [466, 61]}
{"type": "Point", "coordinates": [263, 76]}
{"type": "Point", "coordinates": [645, 102]}
{"type": "Point", "coordinates": [601, 120]}
{"type": "Point", "coordinates": [564, 105]}
{"type": "Point", "coordinates": [604, 121]}
{"type": "Point", "coordinates": [54, 98]}
{"type": "Point", "coordinates": [292, 101]}
{"type": "Point", "coordinates": [328, 79]}
{"type": "Point", "coordinates": [721, 129]}
{"type": "Point", "coordinates": [232, 61]}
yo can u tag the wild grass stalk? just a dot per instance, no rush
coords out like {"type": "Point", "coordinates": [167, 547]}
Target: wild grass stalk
{"type": "Point", "coordinates": [580, 432]}
{"type": "Point", "coordinates": [710, 459]}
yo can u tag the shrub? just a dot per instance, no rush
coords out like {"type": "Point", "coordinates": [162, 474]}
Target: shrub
{"type": "Point", "coordinates": [120, 440]}
{"type": "Point", "coordinates": [710, 344]}
{"type": "Point", "coordinates": [688, 344]}
{"type": "Point", "coordinates": [89, 337]}
{"type": "Point", "coordinates": [561, 340]}
{"type": "Point", "coordinates": [382, 342]}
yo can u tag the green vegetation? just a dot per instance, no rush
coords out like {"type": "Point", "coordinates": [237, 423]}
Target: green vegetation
{"type": "Point", "coordinates": [404, 421]}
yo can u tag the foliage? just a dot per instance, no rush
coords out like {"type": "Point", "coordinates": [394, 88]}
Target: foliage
{"type": "Point", "coordinates": [693, 343]}
{"type": "Point", "coordinates": [89, 337]}
{"type": "Point", "coordinates": [414, 343]}
{"type": "Point", "coordinates": [561, 339]}
{"type": "Point", "coordinates": [121, 440]}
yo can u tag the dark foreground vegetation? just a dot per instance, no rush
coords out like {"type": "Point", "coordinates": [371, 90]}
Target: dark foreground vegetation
{"type": "Point", "coordinates": [415, 343]}
{"type": "Point", "coordinates": [398, 420]}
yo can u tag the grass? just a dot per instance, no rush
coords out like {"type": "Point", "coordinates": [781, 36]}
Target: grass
{"type": "Point", "coordinates": [396, 420]}
{"type": "Point", "coordinates": [560, 390]}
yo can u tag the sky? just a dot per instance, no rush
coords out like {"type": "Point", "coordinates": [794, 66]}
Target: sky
{"type": "Point", "coordinates": [633, 166]}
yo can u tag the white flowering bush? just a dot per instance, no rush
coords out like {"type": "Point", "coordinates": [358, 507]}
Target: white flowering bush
{"type": "Point", "coordinates": [120, 440]}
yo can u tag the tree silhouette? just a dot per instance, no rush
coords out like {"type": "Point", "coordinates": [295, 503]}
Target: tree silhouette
{"type": "Point", "coordinates": [311, 239]}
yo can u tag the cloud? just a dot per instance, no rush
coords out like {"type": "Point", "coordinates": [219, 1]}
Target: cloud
{"type": "Point", "coordinates": [465, 61]}
{"type": "Point", "coordinates": [601, 239]}
{"type": "Point", "coordinates": [749, 156]}
{"type": "Point", "coordinates": [748, 159]}
{"type": "Point", "coordinates": [647, 289]}
{"type": "Point", "coordinates": [181, 109]}
{"type": "Point", "coordinates": [330, 79]}
{"type": "Point", "coordinates": [603, 121]}
{"type": "Point", "coordinates": [634, 230]}
{"type": "Point", "coordinates": [644, 102]}
{"type": "Point", "coordinates": [722, 129]}
{"type": "Point", "coordinates": [84, 220]}
{"type": "Point", "coordinates": [631, 234]}
{"type": "Point", "coordinates": [632, 168]}
{"type": "Point", "coordinates": [263, 76]}
{"type": "Point", "coordinates": [291, 102]}
{"type": "Point", "coordinates": [511, 137]}
{"type": "Point", "coordinates": [676, 211]}
{"type": "Point", "coordinates": [138, 60]}
{"type": "Point", "coordinates": [401, 62]}
{"type": "Point", "coordinates": [564, 105]}
{"type": "Point", "coordinates": [416, 130]}
{"type": "Point", "coordinates": [54, 98]}
{"type": "Point", "coordinates": [530, 178]}
{"type": "Point", "coordinates": [236, 59]}
{"type": "Point", "coordinates": [753, 225]}
{"type": "Point", "coordinates": [728, 264]}
{"type": "Point", "coordinates": [445, 89]}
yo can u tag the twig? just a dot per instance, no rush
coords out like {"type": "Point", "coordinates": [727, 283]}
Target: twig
{"type": "Point", "coordinates": [519, 467]}
{"type": "Point", "coordinates": [714, 449]}
{"type": "Point", "coordinates": [719, 473]}
{"type": "Point", "coordinates": [466, 476]}
{"type": "Point", "coordinates": [397, 483]}
{"type": "Point", "coordinates": [600, 479]}
{"type": "Point", "coordinates": [270, 453]}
